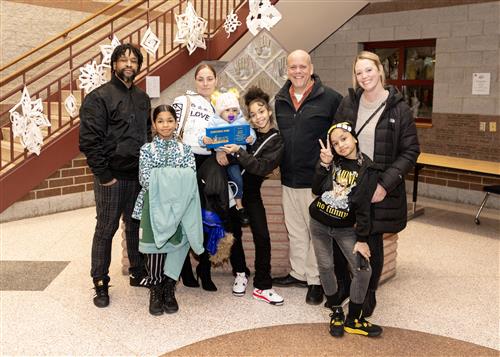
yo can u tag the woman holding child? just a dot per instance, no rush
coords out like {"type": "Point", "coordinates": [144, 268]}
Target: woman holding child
{"type": "Point", "coordinates": [194, 110]}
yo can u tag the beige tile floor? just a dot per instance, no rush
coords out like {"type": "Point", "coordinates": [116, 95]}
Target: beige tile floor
{"type": "Point", "coordinates": [447, 283]}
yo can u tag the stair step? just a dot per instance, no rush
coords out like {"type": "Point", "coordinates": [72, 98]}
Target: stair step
{"type": "Point", "coordinates": [5, 145]}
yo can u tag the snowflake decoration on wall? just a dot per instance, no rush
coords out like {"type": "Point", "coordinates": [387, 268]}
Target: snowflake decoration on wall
{"type": "Point", "coordinates": [190, 29]}
{"type": "Point", "coordinates": [107, 51]}
{"type": "Point", "coordinates": [231, 23]}
{"type": "Point", "coordinates": [70, 105]}
{"type": "Point", "coordinates": [27, 124]}
{"type": "Point", "coordinates": [263, 15]}
{"type": "Point", "coordinates": [150, 42]}
{"type": "Point", "coordinates": [92, 76]}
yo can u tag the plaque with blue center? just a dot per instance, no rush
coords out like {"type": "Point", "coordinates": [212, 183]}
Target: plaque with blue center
{"type": "Point", "coordinates": [229, 134]}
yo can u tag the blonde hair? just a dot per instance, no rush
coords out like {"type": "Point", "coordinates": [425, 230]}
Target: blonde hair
{"type": "Point", "coordinates": [367, 55]}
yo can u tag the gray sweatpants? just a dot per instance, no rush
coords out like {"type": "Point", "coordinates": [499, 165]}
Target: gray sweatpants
{"type": "Point", "coordinates": [322, 236]}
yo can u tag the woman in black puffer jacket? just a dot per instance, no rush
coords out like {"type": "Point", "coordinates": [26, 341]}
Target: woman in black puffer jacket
{"type": "Point", "coordinates": [387, 134]}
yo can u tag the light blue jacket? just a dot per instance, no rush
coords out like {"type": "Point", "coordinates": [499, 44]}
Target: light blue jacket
{"type": "Point", "coordinates": [174, 200]}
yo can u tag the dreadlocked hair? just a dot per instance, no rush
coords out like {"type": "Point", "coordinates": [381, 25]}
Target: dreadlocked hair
{"type": "Point", "coordinates": [120, 50]}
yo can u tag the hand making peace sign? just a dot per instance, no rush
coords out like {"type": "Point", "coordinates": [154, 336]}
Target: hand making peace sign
{"type": "Point", "coordinates": [325, 154]}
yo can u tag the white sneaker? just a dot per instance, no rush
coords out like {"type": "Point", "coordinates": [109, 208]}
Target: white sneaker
{"type": "Point", "coordinates": [240, 284]}
{"type": "Point", "coordinates": [269, 295]}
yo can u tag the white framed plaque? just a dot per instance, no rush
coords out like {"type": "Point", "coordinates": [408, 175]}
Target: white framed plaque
{"type": "Point", "coordinates": [481, 83]}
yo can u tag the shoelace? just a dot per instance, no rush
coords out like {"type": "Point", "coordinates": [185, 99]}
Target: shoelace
{"type": "Point", "coordinates": [363, 322]}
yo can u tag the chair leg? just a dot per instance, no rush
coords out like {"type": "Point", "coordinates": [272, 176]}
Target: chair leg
{"type": "Point", "coordinates": [476, 220]}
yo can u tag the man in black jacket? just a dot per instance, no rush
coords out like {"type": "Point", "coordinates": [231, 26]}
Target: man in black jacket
{"type": "Point", "coordinates": [304, 110]}
{"type": "Point", "coordinates": [114, 124]}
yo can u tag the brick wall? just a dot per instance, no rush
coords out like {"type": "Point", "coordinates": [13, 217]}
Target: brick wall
{"type": "Point", "coordinates": [73, 177]}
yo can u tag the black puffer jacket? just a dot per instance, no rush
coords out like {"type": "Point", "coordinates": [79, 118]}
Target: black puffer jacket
{"type": "Point", "coordinates": [301, 130]}
{"type": "Point", "coordinates": [114, 124]}
{"type": "Point", "coordinates": [396, 151]}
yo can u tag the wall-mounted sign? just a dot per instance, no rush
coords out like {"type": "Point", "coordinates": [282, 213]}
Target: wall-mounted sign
{"type": "Point", "coordinates": [481, 83]}
{"type": "Point", "coordinates": [153, 86]}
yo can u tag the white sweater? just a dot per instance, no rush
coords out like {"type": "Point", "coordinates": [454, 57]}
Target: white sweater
{"type": "Point", "coordinates": [200, 111]}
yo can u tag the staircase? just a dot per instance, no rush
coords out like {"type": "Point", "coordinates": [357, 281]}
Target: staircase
{"type": "Point", "coordinates": [53, 77]}
{"type": "Point", "coordinates": [50, 71]}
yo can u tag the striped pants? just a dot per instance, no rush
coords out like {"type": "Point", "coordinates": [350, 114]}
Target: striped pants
{"type": "Point", "coordinates": [113, 202]}
{"type": "Point", "coordinates": [154, 267]}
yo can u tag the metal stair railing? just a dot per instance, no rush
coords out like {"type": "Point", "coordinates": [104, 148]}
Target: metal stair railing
{"type": "Point", "coordinates": [54, 75]}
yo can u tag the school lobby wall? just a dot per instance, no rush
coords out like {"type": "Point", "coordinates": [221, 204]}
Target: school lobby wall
{"type": "Point", "coordinates": [467, 41]}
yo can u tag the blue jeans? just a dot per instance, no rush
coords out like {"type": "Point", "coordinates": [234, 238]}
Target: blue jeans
{"type": "Point", "coordinates": [234, 174]}
{"type": "Point", "coordinates": [322, 237]}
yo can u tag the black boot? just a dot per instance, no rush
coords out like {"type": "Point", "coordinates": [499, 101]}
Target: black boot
{"type": "Point", "coordinates": [203, 273]}
{"type": "Point", "coordinates": [369, 303]}
{"type": "Point", "coordinates": [187, 275]}
{"type": "Point", "coordinates": [156, 299]}
{"type": "Point", "coordinates": [101, 298]}
{"type": "Point", "coordinates": [170, 305]}
{"type": "Point", "coordinates": [341, 296]}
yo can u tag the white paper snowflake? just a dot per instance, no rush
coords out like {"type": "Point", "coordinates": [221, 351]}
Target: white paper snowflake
{"type": "Point", "coordinates": [70, 105]}
{"type": "Point", "coordinates": [92, 76]}
{"type": "Point", "coordinates": [263, 15]}
{"type": "Point", "coordinates": [27, 124]}
{"type": "Point", "coordinates": [231, 23]}
{"type": "Point", "coordinates": [107, 51]}
{"type": "Point", "coordinates": [190, 29]}
{"type": "Point", "coordinates": [150, 42]}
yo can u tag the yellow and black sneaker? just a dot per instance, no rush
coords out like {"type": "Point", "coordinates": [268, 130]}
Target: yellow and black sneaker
{"type": "Point", "coordinates": [337, 321]}
{"type": "Point", "coordinates": [362, 327]}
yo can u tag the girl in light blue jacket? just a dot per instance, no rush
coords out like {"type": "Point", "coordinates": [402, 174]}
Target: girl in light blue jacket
{"type": "Point", "coordinates": [169, 209]}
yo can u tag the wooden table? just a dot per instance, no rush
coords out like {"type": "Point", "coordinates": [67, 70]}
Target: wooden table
{"type": "Point", "coordinates": [450, 162]}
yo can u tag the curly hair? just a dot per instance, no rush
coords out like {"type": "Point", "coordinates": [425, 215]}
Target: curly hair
{"type": "Point", "coordinates": [120, 50]}
{"type": "Point", "coordinates": [255, 94]}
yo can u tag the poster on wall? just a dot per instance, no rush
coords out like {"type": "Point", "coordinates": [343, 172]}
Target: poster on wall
{"type": "Point", "coordinates": [153, 86]}
{"type": "Point", "coordinates": [481, 83]}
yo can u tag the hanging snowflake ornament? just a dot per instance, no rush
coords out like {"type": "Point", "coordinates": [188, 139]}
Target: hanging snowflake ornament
{"type": "Point", "coordinates": [150, 42]}
{"type": "Point", "coordinates": [107, 51]}
{"type": "Point", "coordinates": [92, 76]}
{"type": "Point", "coordinates": [27, 124]}
{"type": "Point", "coordinates": [231, 23]}
{"type": "Point", "coordinates": [190, 29]}
{"type": "Point", "coordinates": [263, 15]}
{"type": "Point", "coordinates": [70, 105]}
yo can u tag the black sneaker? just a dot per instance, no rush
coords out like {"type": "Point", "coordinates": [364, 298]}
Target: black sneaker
{"type": "Point", "coordinates": [156, 299]}
{"type": "Point", "coordinates": [139, 280]}
{"type": "Point", "coordinates": [101, 298]}
{"type": "Point", "coordinates": [337, 321]}
{"type": "Point", "coordinates": [170, 305]}
{"type": "Point", "coordinates": [362, 327]}
{"type": "Point", "coordinates": [243, 217]}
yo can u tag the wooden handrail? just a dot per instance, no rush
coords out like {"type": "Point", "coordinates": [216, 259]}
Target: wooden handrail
{"type": "Point", "coordinates": [71, 42]}
{"type": "Point", "coordinates": [61, 35]}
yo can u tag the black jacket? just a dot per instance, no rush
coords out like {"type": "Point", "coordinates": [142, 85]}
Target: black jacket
{"type": "Point", "coordinates": [396, 151]}
{"type": "Point", "coordinates": [357, 212]}
{"type": "Point", "coordinates": [301, 130]}
{"type": "Point", "coordinates": [114, 124]}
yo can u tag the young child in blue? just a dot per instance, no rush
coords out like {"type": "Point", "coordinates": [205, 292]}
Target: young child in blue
{"type": "Point", "coordinates": [167, 175]}
{"type": "Point", "coordinates": [344, 181]}
{"type": "Point", "coordinates": [228, 112]}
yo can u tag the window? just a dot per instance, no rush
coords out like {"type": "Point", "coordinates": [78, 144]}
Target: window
{"type": "Point", "coordinates": [409, 66]}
